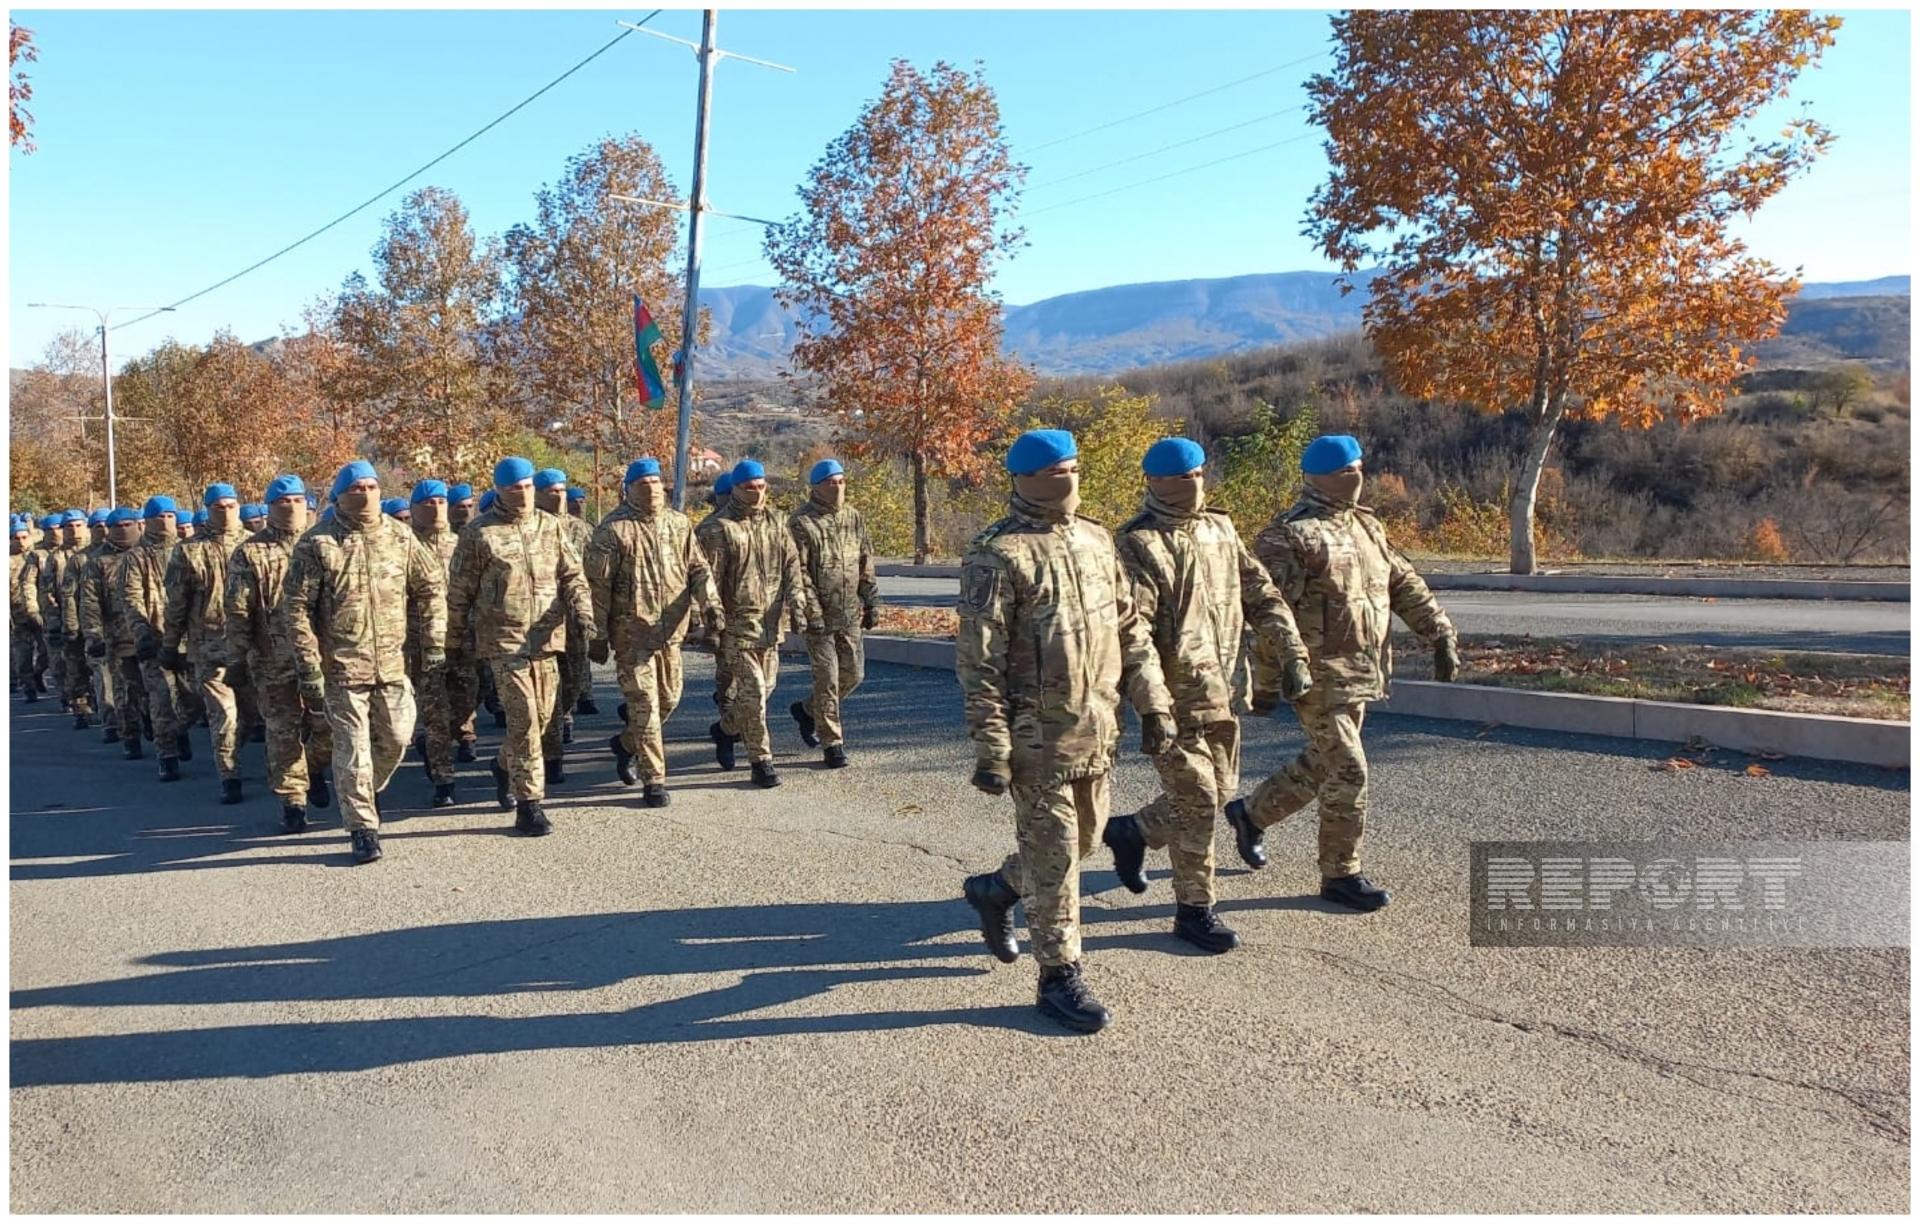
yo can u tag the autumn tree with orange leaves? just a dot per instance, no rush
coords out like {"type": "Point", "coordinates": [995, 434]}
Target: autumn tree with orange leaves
{"type": "Point", "coordinates": [887, 266]}
{"type": "Point", "coordinates": [20, 49]}
{"type": "Point", "coordinates": [1547, 197]}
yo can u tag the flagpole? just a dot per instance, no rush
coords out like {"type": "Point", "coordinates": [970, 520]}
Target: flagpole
{"type": "Point", "coordinates": [690, 318]}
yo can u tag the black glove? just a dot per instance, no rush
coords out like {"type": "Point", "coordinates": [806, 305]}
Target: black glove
{"type": "Point", "coordinates": [597, 650]}
{"type": "Point", "coordinates": [870, 616]}
{"type": "Point", "coordinates": [1262, 702]}
{"type": "Point", "coordinates": [1157, 734]}
{"type": "Point", "coordinates": [238, 676]}
{"type": "Point", "coordinates": [173, 658]}
{"type": "Point", "coordinates": [1296, 681]}
{"type": "Point", "coordinates": [1446, 660]}
{"type": "Point", "coordinates": [96, 649]}
{"type": "Point", "coordinates": [714, 622]}
{"type": "Point", "coordinates": [992, 777]}
{"type": "Point", "coordinates": [146, 650]}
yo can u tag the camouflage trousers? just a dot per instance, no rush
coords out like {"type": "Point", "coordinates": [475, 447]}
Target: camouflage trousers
{"type": "Point", "coordinates": [1199, 774]}
{"type": "Point", "coordinates": [573, 677]}
{"type": "Point", "coordinates": [651, 686]}
{"type": "Point", "coordinates": [528, 690]}
{"type": "Point", "coordinates": [223, 715]}
{"type": "Point", "coordinates": [839, 659]}
{"type": "Point", "coordinates": [57, 665]}
{"type": "Point", "coordinates": [1057, 825]}
{"type": "Point", "coordinates": [432, 687]}
{"type": "Point", "coordinates": [77, 682]}
{"type": "Point", "coordinates": [1333, 769]}
{"type": "Point", "coordinates": [299, 738]}
{"type": "Point", "coordinates": [752, 672]}
{"type": "Point", "coordinates": [130, 687]}
{"type": "Point", "coordinates": [722, 676]}
{"type": "Point", "coordinates": [463, 694]}
{"type": "Point", "coordinates": [166, 704]}
{"type": "Point", "coordinates": [105, 684]}
{"type": "Point", "coordinates": [371, 726]}
{"type": "Point", "coordinates": [29, 654]}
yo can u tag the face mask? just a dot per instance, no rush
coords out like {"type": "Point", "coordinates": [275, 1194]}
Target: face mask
{"type": "Point", "coordinates": [1340, 486]}
{"type": "Point", "coordinates": [126, 535]}
{"type": "Point", "coordinates": [159, 528]}
{"type": "Point", "coordinates": [830, 496]}
{"type": "Point", "coordinates": [359, 507]}
{"type": "Point", "coordinates": [288, 515]}
{"type": "Point", "coordinates": [1182, 494]}
{"type": "Point", "coordinates": [513, 501]}
{"type": "Point", "coordinates": [553, 500]}
{"type": "Point", "coordinates": [748, 497]}
{"type": "Point", "coordinates": [1058, 492]}
{"type": "Point", "coordinates": [222, 518]}
{"type": "Point", "coordinates": [646, 496]}
{"type": "Point", "coordinates": [430, 516]}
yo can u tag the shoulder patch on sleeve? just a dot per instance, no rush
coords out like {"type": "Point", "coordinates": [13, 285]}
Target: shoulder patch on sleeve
{"type": "Point", "coordinates": [981, 591]}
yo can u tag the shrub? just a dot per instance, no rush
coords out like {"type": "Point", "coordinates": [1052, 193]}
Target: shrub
{"type": "Point", "coordinates": [1764, 542]}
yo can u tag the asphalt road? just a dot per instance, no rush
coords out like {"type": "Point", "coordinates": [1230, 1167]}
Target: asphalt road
{"type": "Point", "coordinates": [775, 1001]}
{"type": "Point", "coordinates": [1778, 624]}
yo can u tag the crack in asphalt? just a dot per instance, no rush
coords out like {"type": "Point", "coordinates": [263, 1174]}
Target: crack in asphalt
{"type": "Point", "coordinates": [1888, 1120]}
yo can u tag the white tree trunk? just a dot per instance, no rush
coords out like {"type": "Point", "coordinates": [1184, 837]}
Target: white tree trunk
{"type": "Point", "coordinates": [1526, 489]}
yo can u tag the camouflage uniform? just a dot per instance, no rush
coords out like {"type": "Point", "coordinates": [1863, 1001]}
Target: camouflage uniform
{"type": "Point", "coordinates": [756, 569]}
{"type": "Point", "coordinates": [515, 582]}
{"type": "Point", "coordinates": [1048, 641]}
{"type": "Point", "coordinates": [22, 615]}
{"type": "Point", "coordinates": [722, 676]}
{"type": "Point", "coordinates": [1196, 586]}
{"type": "Point", "coordinates": [299, 741]}
{"type": "Point", "coordinates": [576, 670]}
{"type": "Point", "coordinates": [103, 619]}
{"type": "Point", "coordinates": [646, 574]}
{"type": "Point", "coordinates": [27, 578]}
{"type": "Point", "coordinates": [1332, 563]}
{"type": "Point", "coordinates": [98, 672]}
{"type": "Point", "coordinates": [349, 595]}
{"type": "Point", "coordinates": [143, 604]}
{"type": "Point", "coordinates": [838, 560]}
{"type": "Point", "coordinates": [196, 619]}
{"type": "Point", "coordinates": [436, 688]}
{"type": "Point", "coordinates": [63, 627]}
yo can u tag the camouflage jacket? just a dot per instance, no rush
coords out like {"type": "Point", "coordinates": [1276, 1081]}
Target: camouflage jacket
{"type": "Point", "coordinates": [646, 575]}
{"type": "Point", "coordinates": [1048, 642]}
{"type": "Point", "coordinates": [83, 557]}
{"type": "Point", "coordinates": [26, 585]}
{"type": "Point", "coordinates": [197, 596]}
{"type": "Point", "coordinates": [514, 583]}
{"type": "Point", "coordinates": [1345, 583]}
{"type": "Point", "coordinates": [757, 571]}
{"type": "Point", "coordinates": [25, 612]}
{"type": "Point", "coordinates": [143, 589]}
{"type": "Point", "coordinates": [1197, 587]}
{"type": "Point", "coordinates": [256, 580]}
{"type": "Point", "coordinates": [100, 584]}
{"type": "Point", "coordinates": [440, 545]}
{"type": "Point", "coordinates": [838, 560]}
{"type": "Point", "coordinates": [52, 581]}
{"type": "Point", "coordinates": [348, 594]}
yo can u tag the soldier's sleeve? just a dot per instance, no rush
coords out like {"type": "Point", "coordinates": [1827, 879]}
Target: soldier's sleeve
{"type": "Point", "coordinates": [238, 602]}
{"type": "Point", "coordinates": [803, 599]}
{"type": "Point", "coordinates": [1408, 595]}
{"type": "Point", "coordinates": [463, 583]}
{"type": "Point", "coordinates": [711, 536]}
{"type": "Point", "coordinates": [572, 576]}
{"type": "Point", "coordinates": [24, 607]}
{"type": "Point", "coordinates": [987, 613]}
{"type": "Point", "coordinates": [178, 582]}
{"type": "Point", "coordinates": [48, 593]}
{"type": "Point", "coordinates": [1140, 577]}
{"type": "Point", "coordinates": [92, 615]}
{"type": "Point", "coordinates": [140, 582]}
{"type": "Point", "coordinates": [294, 614]}
{"type": "Point", "coordinates": [426, 591]}
{"type": "Point", "coordinates": [1267, 611]}
{"type": "Point", "coordinates": [601, 564]}
{"type": "Point", "coordinates": [700, 573]}
{"type": "Point", "coordinates": [1277, 549]}
{"type": "Point", "coordinates": [70, 594]}
{"type": "Point", "coordinates": [869, 589]}
{"type": "Point", "coordinates": [1140, 677]}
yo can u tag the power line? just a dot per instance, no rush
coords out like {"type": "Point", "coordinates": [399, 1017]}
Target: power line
{"type": "Point", "coordinates": [1169, 148]}
{"type": "Point", "coordinates": [1154, 110]}
{"type": "Point", "coordinates": [387, 191]}
{"type": "Point", "coordinates": [1175, 174]}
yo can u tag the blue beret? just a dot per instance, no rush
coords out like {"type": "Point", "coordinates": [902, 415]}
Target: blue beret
{"type": "Point", "coordinates": [824, 469]}
{"type": "Point", "coordinates": [723, 483]}
{"type": "Point", "coordinates": [424, 489]}
{"type": "Point", "coordinates": [1329, 453]}
{"type": "Point", "coordinates": [286, 486]}
{"type": "Point", "coordinates": [576, 493]}
{"type": "Point", "coordinates": [215, 492]}
{"type": "Point", "coordinates": [392, 505]}
{"type": "Point", "coordinates": [546, 478]}
{"type": "Point", "coordinates": [51, 522]}
{"type": "Point", "coordinates": [1173, 457]}
{"type": "Point", "coordinates": [646, 465]}
{"type": "Point", "coordinates": [1039, 449]}
{"type": "Point", "coordinates": [159, 505]}
{"type": "Point", "coordinates": [98, 517]}
{"type": "Point", "coordinates": [486, 500]}
{"type": "Point", "coordinates": [122, 514]}
{"type": "Point", "coordinates": [313, 503]}
{"type": "Point", "coordinates": [74, 516]}
{"type": "Point", "coordinates": [252, 510]}
{"type": "Point", "coordinates": [459, 492]}
{"type": "Point", "coordinates": [511, 471]}
{"type": "Point", "coordinates": [326, 516]}
{"type": "Point", "coordinates": [199, 518]}
{"type": "Point", "coordinates": [358, 470]}
{"type": "Point", "coordinates": [748, 469]}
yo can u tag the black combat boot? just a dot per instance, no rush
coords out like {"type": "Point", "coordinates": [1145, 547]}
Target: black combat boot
{"type": "Point", "coordinates": [319, 794]}
{"type": "Point", "coordinates": [994, 901]}
{"type": "Point", "coordinates": [799, 711]}
{"type": "Point", "coordinates": [420, 744]}
{"type": "Point", "coordinates": [723, 746]}
{"type": "Point", "coordinates": [183, 743]}
{"type": "Point", "coordinates": [258, 735]}
{"type": "Point", "coordinates": [293, 818]}
{"type": "Point", "coordinates": [623, 760]}
{"type": "Point", "coordinates": [654, 795]}
{"type": "Point", "coordinates": [502, 787]}
{"type": "Point", "coordinates": [80, 720]}
{"type": "Point", "coordinates": [1247, 839]}
{"type": "Point", "coordinates": [835, 757]}
{"type": "Point", "coordinates": [1129, 845]}
{"type": "Point", "coordinates": [764, 775]}
{"type": "Point", "coordinates": [169, 769]}
{"type": "Point", "coordinates": [556, 771]}
{"type": "Point", "coordinates": [566, 729]}
{"type": "Point", "coordinates": [1198, 925]}
{"type": "Point", "coordinates": [28, 693]}
{"type": "Point", "coordinates": [366, 845]}
{"type": "Point", "coordinates": [585, 706]}
{"type": "Point", "coordinates": [1064, 996]}
{"type": "Point", "coordinates": [1354, 892]}
{"type": "Point", "coordinates": [531, 819]}
{"type": "Point", "coordinates": [110, 727]}
{"type": "Point", "coordinates": [443, 794]}
{"type": "Point", "coordinates": [229, 790]}
{"type": "Point", "coordinates": [132, 749]}
{"type": "Point", "coordinates": [463, 752]}
{"type": "Point", "coordinates": [500, 716]}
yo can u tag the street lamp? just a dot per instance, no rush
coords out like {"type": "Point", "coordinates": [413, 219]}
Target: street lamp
{"type": "Point", "coordinates": [106, 378]}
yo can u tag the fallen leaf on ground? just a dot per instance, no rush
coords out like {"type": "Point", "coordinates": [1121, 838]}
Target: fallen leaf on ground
{"type": "Point", "coordinates": [1674, 764]}
{"type": "Point", "coordinates": [1758, 771]}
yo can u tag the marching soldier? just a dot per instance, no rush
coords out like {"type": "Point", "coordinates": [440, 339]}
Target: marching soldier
{"type": "Point", "coordinates": [1330, 559]}
{"type": "Point", "coordinates": [100, 670]}
{"type": "Point", "coordinates": [143, 602]}
{"type": "Point", "coordinates": [459, 505]}
{"type": "Point", "coordinates": [576, 676]}
{"type": "Point", "coordinates": [432, 686]}
{"type": "Point", "coordinates": [838, 560]}
{"type": "Point", "coordinates": [59, 616]}
{"type": "Point", "coordinates": [23, 613]}
{"type": "Point", "coordinates": [196, 619]}
{"type": "Point", "coordinates": [108, 632]}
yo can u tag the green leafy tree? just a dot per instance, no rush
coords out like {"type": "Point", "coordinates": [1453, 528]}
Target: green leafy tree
{"type": "Point", "coordinates": [1260, 470]}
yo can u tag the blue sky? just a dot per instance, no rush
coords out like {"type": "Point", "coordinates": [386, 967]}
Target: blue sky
{"type": "Point", "coordinates": [176, 148]}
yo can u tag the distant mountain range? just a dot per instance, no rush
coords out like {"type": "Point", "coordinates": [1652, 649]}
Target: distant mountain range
{"type": "Point", "coordinates": [1126, 327]}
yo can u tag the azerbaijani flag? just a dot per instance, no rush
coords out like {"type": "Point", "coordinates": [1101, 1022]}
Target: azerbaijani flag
{"type": "Point", "coordinates": [646, 371]}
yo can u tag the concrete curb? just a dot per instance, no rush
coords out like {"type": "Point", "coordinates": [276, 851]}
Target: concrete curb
{"type": "Point", "coordinates": [1598, 584]}
{"type": "Point", "coordinates": [1820, 737]}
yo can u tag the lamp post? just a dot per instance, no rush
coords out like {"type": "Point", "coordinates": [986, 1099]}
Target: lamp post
{"type": "Point", "coordinates": [106, 379]}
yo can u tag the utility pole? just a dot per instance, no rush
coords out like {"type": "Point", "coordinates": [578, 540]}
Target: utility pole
{"type": "Point", "coordinates": [708, 55]}
{"type": "Point", "coordinates": [106, 381]}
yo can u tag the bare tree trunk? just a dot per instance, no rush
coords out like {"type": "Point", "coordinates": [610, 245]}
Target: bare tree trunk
{"type": "Point", "coordinates": [920, 550]}
{"type": "Point", "coordinates": [1526, 488]}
